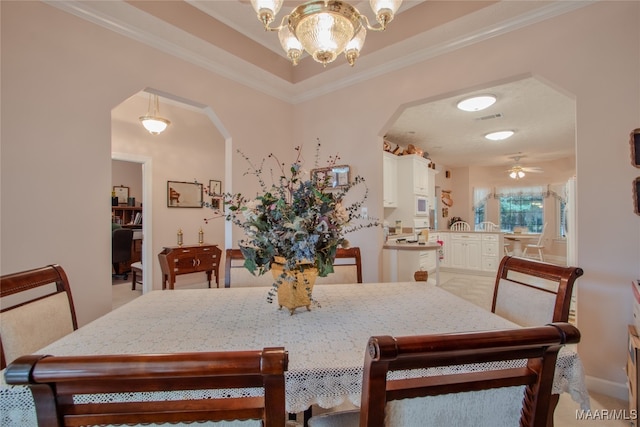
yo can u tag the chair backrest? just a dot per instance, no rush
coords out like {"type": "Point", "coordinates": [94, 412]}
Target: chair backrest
{"type": "Point", "coordinates": [460, 226]}
{"type": "Point", "coordinates": [541, 237]}
{"type": "Point", "coordinates": [399, 396]}
{"type": "Point", "coordinates": [236, 273]}
{"type": "Point", "coordinates": [232, 385]}
{"type": "Point", "coordinates": [532, 293]}
{"type": "Point", "coordinates": [347, 267]}
{"type": "Point", "coordinates": [37, 309]}
{"type": "Point", "coordinates": [487, 226]}
{"type": "Point", "coordinates": [121, 239]}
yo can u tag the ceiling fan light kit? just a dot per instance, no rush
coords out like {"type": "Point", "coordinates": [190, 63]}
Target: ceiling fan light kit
{"type": "Point", "coordinates": [324, 28]}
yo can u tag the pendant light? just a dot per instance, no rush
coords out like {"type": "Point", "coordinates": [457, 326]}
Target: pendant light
{"type": "Point", "coordinates": [152, 121]}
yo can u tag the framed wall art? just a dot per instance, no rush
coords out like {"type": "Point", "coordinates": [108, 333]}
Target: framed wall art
{"type": "Point", "coordinates": [122, 193]}
{"type": "Point", "coordinates": [337, 176]}
{"type": "Point", "coordinates": [184, 194]}
{"type": "Point", "coordinates": [215, 187]}
{"type": "Point", "coordinates": [636, 195]}
{"type": "Point", "coordinates": [634, 140]}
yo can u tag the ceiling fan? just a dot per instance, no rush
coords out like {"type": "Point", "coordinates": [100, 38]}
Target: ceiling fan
{"type": "Point", "coordinates": [517, 171]}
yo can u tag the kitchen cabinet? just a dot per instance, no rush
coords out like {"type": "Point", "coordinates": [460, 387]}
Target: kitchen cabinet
{"type": "Point", "coordinates": [390, 180]}
{"type": "Point", "coordinates": [466, 251]}
{"type": "Point", "coordinates": [414, 173]}
{"type": "Point", "coordinates": [491, 252]}
{"type": "Point", "coordinates": [480, 252]}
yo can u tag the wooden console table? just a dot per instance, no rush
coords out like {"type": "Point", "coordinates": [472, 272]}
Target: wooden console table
{"type": "Point", "coordinates": [177, 260]}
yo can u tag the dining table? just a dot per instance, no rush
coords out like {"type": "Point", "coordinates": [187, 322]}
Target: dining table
{"type": "Point", "coordinates": [326, 344]}
{"type": "Point", "coordinates": [520, 239]}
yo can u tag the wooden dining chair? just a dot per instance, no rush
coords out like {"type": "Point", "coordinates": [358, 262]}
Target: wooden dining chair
{"type": "Point", "coordinates": [347, 267]}
{"type": "Point", "coordinates": [235, 273]}
{"type": "Point", "coordinates": [532, 293]}
{"type": "Point", "coordinates": [37, 310]}
{"type": "Point", "coordinates": [209, 386]}
{"type": "Point", "coordinates": [460, 226]}
{"type": "Point", "coordinates": [519, 363]}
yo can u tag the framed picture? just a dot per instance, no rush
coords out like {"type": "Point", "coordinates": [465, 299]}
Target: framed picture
{"type": "Point", "coordinates": [122, 193]}
{"type": "Point", "coordinates": [336, 176]}
{"type": "Point", "coordinates": [634, 140]}
{"type": "Point", "coordinates": [215, 187]}
{"type": "Point", "coordinates": [636, 195]}
{"type": "Point", "coordinates": [216, 203]}
{"type": "Point", "coordinates": [184, 194]}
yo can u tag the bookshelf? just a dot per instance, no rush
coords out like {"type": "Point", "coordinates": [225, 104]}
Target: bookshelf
{"type": "Point", "coordinates": [126, 215]}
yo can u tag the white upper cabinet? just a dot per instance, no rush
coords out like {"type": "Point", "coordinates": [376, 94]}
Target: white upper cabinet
{"type": "Point", "coordinates": [390, 179]}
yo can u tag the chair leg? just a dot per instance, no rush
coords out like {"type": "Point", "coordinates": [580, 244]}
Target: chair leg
{"type": "Point", "coordinates": [540, 253]}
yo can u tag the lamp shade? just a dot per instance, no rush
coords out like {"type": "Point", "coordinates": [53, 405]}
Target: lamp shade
{"type": "Point", "coordinates": [155, 125]}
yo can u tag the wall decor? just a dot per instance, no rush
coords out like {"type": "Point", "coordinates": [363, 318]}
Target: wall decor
{"type": "Point", "coordinates": [215, 187]}
{"type": "Point", "coordinates": [338, 176]}
{"type": "Point", "coordinates": [122, 193]}
{"type": "Point", "coordinates": [636, 195]}
{"type": "Point", "coordinates": [184, 194]}
{"type": "Point", "coordinates": [634, 140]}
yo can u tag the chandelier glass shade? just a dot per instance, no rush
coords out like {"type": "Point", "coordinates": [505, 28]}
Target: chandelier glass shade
{"type": "Point", "coordinates": [151, 121]}
{"type": "Point", "coordinates": [324, 28]}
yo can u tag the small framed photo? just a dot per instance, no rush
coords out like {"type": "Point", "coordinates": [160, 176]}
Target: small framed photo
{"type": "Point", "coordinates": [336, 176]}
{"type": "Point", "coordinates": [634, 140]}
{"type": "Point", "coordinates": [184, 194]}
{"type": "Point", "coordinates": [215, 187]}
{"type": "Point", "coordinates": [122, 193]}
{"type": "Point", "coordinates": [216, 203]}
{"type": "Point", "coordinates": [636, 196]}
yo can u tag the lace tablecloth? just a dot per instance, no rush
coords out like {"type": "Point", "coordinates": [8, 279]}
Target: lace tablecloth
{"type": "Point", "coordinates": [326, 345]}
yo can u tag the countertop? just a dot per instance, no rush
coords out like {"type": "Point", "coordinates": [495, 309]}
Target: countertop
{"type": "Point", "coordinates": [411, 246]}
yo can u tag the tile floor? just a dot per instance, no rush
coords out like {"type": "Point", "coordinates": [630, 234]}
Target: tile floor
{"type": "Point", "coordinates": [566, 414]}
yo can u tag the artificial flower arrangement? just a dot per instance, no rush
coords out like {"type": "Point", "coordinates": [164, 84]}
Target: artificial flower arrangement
{"type": "Point", "coordinates": [297, 217]}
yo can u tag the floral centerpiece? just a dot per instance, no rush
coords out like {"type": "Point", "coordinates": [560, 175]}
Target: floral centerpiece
{"type": "Point", "coordinates": [297, 220]}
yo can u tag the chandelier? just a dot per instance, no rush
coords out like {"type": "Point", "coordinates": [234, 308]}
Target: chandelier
{"type": "Point", "coordinates": [324, 28]}
{"type": "Point", "coordinates": [152, 121]}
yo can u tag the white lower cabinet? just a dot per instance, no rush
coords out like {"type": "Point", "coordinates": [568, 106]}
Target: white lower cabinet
{"type": "Point", "coordinates": [466, 251]}
{"type": "Point", "coordinates": [490, 252]}
{"type": "Point", "coordinates": [481, 252]}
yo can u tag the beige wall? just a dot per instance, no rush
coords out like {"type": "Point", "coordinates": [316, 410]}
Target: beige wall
{"type": "Point", "coordinates": [128, 174]}
{"type": "Point", "coordinates": [72, 83]}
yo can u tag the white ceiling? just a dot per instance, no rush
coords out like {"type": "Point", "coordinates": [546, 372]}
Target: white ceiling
{"type": "Point", "coordinates": [542, 117]}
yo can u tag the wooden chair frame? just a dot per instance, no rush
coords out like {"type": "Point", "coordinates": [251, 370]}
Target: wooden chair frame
{"type": "Point", "coordinates": [538, 345]}
{"type": "Point", "coordinates": [565, 277]}
{"type": "Point", "coordinates": [15, 283]}
{"type": "Point", "coordinates": [233, 256]}
{"type": "Point", "coordinates": [54, 381]}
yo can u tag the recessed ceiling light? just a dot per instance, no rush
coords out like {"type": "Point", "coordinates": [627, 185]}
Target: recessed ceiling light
{"type": "Point", "coordinates": [499, 136]}
{"type": "Point", "coordinates": [476, 103]}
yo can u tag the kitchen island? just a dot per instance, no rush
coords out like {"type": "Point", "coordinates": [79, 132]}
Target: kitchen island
{"type": "Point", "coordinates": [470, 252]}
{"type": "Point", "coordinates": [402, 259]}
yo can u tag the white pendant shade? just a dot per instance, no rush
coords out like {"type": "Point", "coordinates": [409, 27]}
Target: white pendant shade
{"type": "Point", "coordinates": [151, 121]}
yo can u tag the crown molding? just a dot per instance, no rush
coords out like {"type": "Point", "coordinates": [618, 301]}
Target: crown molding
{"type": "Point", "coordinates": [495, 20]}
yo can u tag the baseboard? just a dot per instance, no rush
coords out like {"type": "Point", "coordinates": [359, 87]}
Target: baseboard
{"type": "Point", "coordinates": [619, 391]}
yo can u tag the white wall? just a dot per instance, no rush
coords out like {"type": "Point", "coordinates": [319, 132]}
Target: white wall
{"type": "Point", "coordinates": [72, 84]}
{"type": "Point", "coordinates": [128, 174]}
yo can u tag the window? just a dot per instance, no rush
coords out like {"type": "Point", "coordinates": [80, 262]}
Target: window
{"type": "Point", "coordinates": [521, 210]}
{"type": "Point", "coordinates": [480, 213]}
{"type": "Point", "coordinates": [561, 210]}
